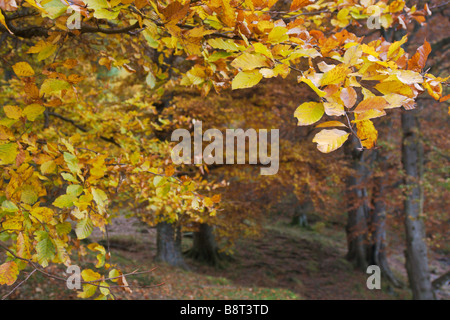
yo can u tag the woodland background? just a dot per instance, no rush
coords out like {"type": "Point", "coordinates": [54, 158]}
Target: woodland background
{"type": "Point", "coordinates": [287, 236]}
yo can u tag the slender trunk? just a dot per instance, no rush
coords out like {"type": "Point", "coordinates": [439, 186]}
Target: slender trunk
{"type": "Point", "coordinates": [356, 228]}
{"type": "Point", "coordinates": [205, 247]}
{"type": "Point", "coordinates": [377, 223]}
{"type": "Point", "coordinates": [416, 248]}
{"type": "Point", "coordinates": [168, 245]}
{"type": "Point", "coordinates": [301, 211]}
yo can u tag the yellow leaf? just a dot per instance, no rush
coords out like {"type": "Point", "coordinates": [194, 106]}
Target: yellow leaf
{"type": "Point", "coordinates": [366, 133]}
{"type": "Point", "coordinates": [12, 112]}
{"type": "Point", "coordinates": [260, 48]}
{"type": "Point", "coordinates": [13, 222]}
{"type": "Point", "coordinates": [8, 153]}
{"type": "Point", "coordinates": [33, 111]}
{"type": "Point", "coordinates": [395, 46]}
{"type": "Point", "coordinates": [398, 87]}
{"type": "Point", "coordinates": [409, 77]}
{"type": "Point", "coordinates": [369, 114]}
{"type": "Point", "coordinates": [335, 75]}
{"type": "Point", "coordinates": [8, 273]}
{"type": "Point", "coordinates": [51, 86]}
{"type": "Point", "coordinates": [222, 44]}
{"type": "Point", "coordinates": [378, 103]}
{"type": "Point", "coordinates": [328, 124]}
{"type": "Point", "coordinates": [309, 113]}
{"type": "Point", "coordinates": [330, 140]}
{"type": "Point", "coordinates": [3, 22]}
{"type": "Point", "coordinates": [207, 202]}
{"type": "Point", "coordinates": [23, 69]}
{"type": "Point", "coordinates": [43, 214]}
{"type": "Point", "coordinates": [248, 61]}
{"type": "Point", "coordinates": [277, 35]}
{"type": "Point", "coordinates": [246, 79]}
{"type": "Point", "coordinates": [334, 108]}
{"type": "Point", "coordinates": [319, 92]}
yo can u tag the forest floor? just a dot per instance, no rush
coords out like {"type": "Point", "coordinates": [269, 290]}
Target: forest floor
{"type": "Point", "coordinates": [286, 262]}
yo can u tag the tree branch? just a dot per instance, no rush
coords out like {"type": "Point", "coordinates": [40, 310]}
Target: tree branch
{"type": "Point", "coordinates": [81, 128]}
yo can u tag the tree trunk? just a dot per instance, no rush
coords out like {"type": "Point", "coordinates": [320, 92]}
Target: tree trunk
{"type": "Point", "coordinates": [168, 245]}
{"type": "Point", "coordinates": [301, 210]}
{"type": "Point", "coordinates": [377, 251]}
{"type": "Point", "coordinates": [416, 248]}
{"type": "Point", "coordinates": [356, 228]}
{"type": "Point", "coordinates": [205, 247]}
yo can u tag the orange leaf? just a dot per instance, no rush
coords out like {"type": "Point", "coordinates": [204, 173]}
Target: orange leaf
{"type": "Point", "coordinates": [377, 103]}
{"type": "Point", "coordinates": [419, 59]}
{"type": "Point", "coordinates": [8, 273]}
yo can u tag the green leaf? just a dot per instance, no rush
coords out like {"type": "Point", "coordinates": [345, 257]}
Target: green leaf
{"type": "Point", "coordinates": [150, 80]}
{"type": "Point", "coordinates": [8, 153]}
{"type": "Point", "coordinates": [84, 228]}
{"type": "Point", "coordinates": [72, 162]}
{"type": "Point", "coordinates": [9, 206]}
{"type": "Point", "coordinates": [33, 111]}
{"type": "Point", "coordinates": [69, 177]}
{"type": "Point", "coordinates": [45, 248]}
{"type": "Point", "coordinates": [52, 86]}
{"type": "Point", "coordinates": [163, 191]}
{"type": "Point", "coordinates": [63, 228]}
{"type": "Point", "coordinates": [158, 181]}
{"type": "Point", "coordinates": [74, 189]}
{"type": "Point", "coordinates": [64, 201]}
{"type": "Point", "coordinates": [29, 195]}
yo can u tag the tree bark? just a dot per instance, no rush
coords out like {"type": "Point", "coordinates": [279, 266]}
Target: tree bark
{"type": "Point", "coordinates": [301, 211]}
{"type": "Point", "coordinates": [377, 250]}
{"type": "Point", "coordinates": [205, 248]}
{"type": "Point", "coordinates": [416, 248]}
{"type": "Point", "coordinates": [356, 228]}
{"type": "Point", "coordinates": [168, 245]}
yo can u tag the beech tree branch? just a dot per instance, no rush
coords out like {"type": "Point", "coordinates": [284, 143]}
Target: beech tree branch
{"type": "Point", "coordinates": [81, 128]}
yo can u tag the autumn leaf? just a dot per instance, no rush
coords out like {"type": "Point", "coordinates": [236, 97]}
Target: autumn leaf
{"type": "Point", "coordinates": [23, 69]}
{"type": "Point", "coordinates": [330, 140]}
{"type": "Point", "coordinates": [366, 133]}
{"type": "Point", "coordinates": [328, 124]}
{"type": "Point", "coordinates": [84, 228]}
{"type": "Point", "coordinates": [45, 248]}
{"type": "Point", "coordinates": [8, 153]}
{"type": "Point", "coordinates": [246, 79]}
{"type": "Point", "coordinates": [377, 103]}
{"type": "Point", "coordinates": [8, 273]}
{"type": "Point", "coordinates": [335, 75]}
{"type": "Point", "coordinates": [309, 112]}
{"type": "Point", "coordinates": [419, 59]}
{"type": "Point", "coordinates": [13, 112]}
{"type": "Point", "coordinates": [298, 4]}
{"type": "Point", "coordinates": [348, 96]}
{"type": "Point", "coordinates": [248, 61]}
{"type": "Point", "coordinates": [3, 22]}
{"type": "Point", "coordinates": [33, 111]}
